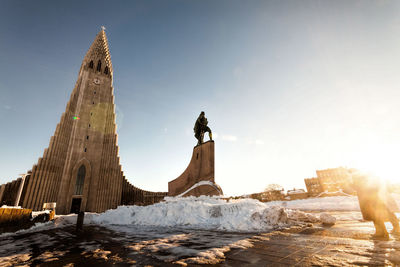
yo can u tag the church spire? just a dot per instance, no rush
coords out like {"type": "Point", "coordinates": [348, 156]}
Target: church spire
{"type": "Point", "coordinates": [99, 51]}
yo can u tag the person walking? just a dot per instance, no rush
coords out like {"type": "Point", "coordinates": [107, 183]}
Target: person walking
{"type": "Point", "coordinates": [376, 204]}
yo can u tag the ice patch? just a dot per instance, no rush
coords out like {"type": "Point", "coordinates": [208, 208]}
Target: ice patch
{"type": "Point", "coordinates": [181, 249]}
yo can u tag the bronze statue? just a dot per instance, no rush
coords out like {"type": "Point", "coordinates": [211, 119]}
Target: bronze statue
{"type": "Point", "coordinates": [200, 127]}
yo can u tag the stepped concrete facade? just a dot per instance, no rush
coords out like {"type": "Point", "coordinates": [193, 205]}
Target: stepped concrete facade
{"type": "Point", "coordinates": [80, 170]}
{"type": "Point", "coordinates": [198, 178]}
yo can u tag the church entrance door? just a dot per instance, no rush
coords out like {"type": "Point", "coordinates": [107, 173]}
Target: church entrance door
{"type": "Point", "coordinates": [76, 205]}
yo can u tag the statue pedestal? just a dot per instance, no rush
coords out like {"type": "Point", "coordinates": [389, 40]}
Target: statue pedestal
{"type": "Point", "coordinates": [198, 178]}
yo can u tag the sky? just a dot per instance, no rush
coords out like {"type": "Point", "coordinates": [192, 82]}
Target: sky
{"type": "Point", "coordinates": [288, 87]}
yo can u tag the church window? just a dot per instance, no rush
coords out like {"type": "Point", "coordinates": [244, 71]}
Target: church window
{"type": "Point", "coordinates": [91, 64]}
{"type": "Point", "coordinates": [94, 92]}
{"type": "Point", "coordinates": [89, 125]}
{"type": "Point", "coordinates": [99, 66]}
{"type": "Point", "coordinates": [87, 137]}
{"type": "Point", "coordinates": [93, 102]}
{"type": "Point", "coordinates": [80, 180]}
{"type": "Point", "coordinates": [106, 70]}
{"type": "Point", "coordinates": [85, 149]}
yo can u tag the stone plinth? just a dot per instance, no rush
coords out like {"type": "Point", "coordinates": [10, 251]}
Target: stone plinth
{"type": "Point", "coordinates": [201, 168]}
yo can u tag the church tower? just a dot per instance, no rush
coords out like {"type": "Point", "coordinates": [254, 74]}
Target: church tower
{"type": "Point", "coordinates": [80, 170]}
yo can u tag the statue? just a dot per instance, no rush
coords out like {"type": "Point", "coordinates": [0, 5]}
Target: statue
{"type": "Point", "coordinates": [200, 127]}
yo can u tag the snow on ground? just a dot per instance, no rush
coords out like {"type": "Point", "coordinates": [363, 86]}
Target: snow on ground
{"type": "Point", "coordinates": [35, 228]}
{"type": "Point", "coordinates": [37, 213]}
{"type": "Point", "coordinates": [187, 230]}
{"type": "Point", "coordinates": [207, 213]}
{"type": "Point", "coordinates": [10, 207]}
{"type": "Point", "coordinates": [199, 184]}
{"type": "Point", "coordinates": [204, 213]}
{"type": "Point", "coordinates": [191, 247]}
{"type": "Point", "coordinates": [338, 203]}
{"type": "Point", "coordinates": [229, 215]}
{"type": "Point", "coordinates": [60, 221]}
{"type": "Point", "coordinates": [215, 213]}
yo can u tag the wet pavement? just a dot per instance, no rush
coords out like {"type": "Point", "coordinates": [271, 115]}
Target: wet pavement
{"type": "Point", "coordinates": [347, 243]}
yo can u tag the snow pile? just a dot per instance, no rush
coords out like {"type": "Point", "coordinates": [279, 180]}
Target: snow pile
{"type": "Point", "coordinates": [204, 213]}
{"type": "Point", "coordinates": [327, 219]}
{"type": "Point", "coordinates": [10, 207]}
{"type": "Point", "coordinates": [37, 213]}
{"type": "Point", "coordinates": [65, 220]}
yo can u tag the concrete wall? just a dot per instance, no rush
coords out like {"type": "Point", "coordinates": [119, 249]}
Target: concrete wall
{"type": "Point", "coordinates": [9, 192]}
{"type": "Point", "coordinates": [132, 195]}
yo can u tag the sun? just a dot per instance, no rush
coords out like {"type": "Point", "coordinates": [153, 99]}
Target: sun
{"type": "Point", "coordinates": [381, 161]}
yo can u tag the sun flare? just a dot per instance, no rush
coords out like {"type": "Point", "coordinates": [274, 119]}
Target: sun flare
{"type": "Point", "coordinates": [380, 161]}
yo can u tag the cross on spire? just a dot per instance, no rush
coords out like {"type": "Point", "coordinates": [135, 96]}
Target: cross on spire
{"type": "Point", "coordinates": [103, 28]}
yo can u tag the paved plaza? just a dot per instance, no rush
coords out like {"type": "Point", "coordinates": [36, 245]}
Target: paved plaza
{"type": "Point", "coordinates": [347, 243]}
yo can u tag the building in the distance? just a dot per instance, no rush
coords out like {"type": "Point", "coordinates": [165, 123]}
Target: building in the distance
{"type": "Point", "coordinates": [296, 194]}
{"type": "Point", "coordinates": [330, 181]}
{"type": "Point", "coordinates": [313, 186]}
{"type": "Point", "coordinates": [80, 170]}
{"type": "Point", "coordinates": [269, 195]}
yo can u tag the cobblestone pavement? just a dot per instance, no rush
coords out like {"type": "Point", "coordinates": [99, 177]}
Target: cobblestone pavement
{"type": "Point", "coordinates": [347, 243]}
{"type": "Point", "coordinates": [307, 249]}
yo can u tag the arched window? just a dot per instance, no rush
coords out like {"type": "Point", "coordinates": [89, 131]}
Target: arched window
{"type": "Point", "coordinates": [91, 64]}
{"type": "Point", "coordinates": [80, 180]}
{"type": "Point", "coordinates": [106, 70]}
{"type": "Point", "coordinates": [99, 65]}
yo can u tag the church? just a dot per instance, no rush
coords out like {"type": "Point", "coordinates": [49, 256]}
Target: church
{"type": "Point", "coordinates": [80, 170]}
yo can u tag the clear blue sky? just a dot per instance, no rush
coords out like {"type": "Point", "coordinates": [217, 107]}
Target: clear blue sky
{"type": "Point", "coordinates": [288, 86]}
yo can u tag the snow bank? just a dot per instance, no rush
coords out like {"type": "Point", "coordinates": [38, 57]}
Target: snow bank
{"type": "Point", "coordinates": [37, 213]}
{"type": "Point", "coordinates": [35, 228]}
{"type": "Point", "coordinates": [338, 203]}
{"type": "Point", "coordinates": [204, 213]}
{"type": "Point", "coordinates": [59, 221]}
{"type": "Point", "coordinates": [10, 207]}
